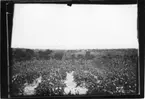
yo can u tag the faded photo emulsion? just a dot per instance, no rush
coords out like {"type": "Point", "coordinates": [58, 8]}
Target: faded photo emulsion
{"type": "Point", "coordinates": [59, 50]}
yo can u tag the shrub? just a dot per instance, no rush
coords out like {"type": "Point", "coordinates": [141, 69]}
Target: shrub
{"type": "Point", "coordinates": [44, 54]}
{"type": "Point", "coordinates": [89, 56]}
{"type": "Point", "coordinates": [22, 54]}
{"type": "Point", "coordinates": [58, 56]}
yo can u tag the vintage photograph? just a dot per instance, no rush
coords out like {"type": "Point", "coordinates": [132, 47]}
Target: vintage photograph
{"type": "Point", "coordinates": [82, 50]}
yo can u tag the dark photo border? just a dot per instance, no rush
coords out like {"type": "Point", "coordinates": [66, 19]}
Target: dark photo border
{"type": "Point", "coordinates": [7, 11]}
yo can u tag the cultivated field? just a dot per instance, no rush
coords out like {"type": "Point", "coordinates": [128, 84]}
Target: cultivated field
{"type": "Point", "coordinates": [83, 72]}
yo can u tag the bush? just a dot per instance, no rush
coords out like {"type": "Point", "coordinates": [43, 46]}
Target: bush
{"type": "Point", "coordinates": [44, 54]}
{"type": "Point", "coordinates": [22, 54]}
{"type": "Point", "coordinates": [58, 56]}
{"type": "Point", "coordinates": [89, 56]}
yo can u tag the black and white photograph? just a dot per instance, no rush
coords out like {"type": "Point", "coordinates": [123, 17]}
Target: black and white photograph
{"type": "Point", "coordinates": [77, 50]}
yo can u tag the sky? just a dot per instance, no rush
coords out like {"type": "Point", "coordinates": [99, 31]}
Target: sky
{"type": "Point", "coordinates": [58, 26]}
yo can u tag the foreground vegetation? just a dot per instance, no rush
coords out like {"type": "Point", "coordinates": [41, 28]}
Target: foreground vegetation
{"type": "Point", "coordinates": [109, 72]}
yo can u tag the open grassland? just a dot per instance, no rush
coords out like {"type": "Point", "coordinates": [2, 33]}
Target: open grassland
{"type": "Point", "coordinates": [108, 72]}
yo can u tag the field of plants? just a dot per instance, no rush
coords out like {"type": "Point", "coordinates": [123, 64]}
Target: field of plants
{"type": "Point", "coordinates": [87, 72]}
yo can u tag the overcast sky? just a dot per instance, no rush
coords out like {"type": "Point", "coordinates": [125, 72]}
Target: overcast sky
{"type": "Point", "coordinates": [51, 26]}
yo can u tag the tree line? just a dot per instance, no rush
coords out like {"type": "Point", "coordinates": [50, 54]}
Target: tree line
{"type": "Point", "coordinates": [30, 54]}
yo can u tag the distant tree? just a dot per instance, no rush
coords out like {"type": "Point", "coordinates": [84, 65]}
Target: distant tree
{"type": "Point", "coordinates": [80, 56]}
{"type": "Point", "coordinates": [48, 51]}
{"type": "Point", "coordinates": [73, 56]}
{"type": "Point", "coordinates": [18, 54]}
{"type": "Point", "coordinates": [22, 55]}
{"type": "Point", "coordinates": [44, 54]}
{"type": "Point", "coordinates": [58, 55]}
{"type": "Point", "coordinates": [29, 54]}
{"type": "Point", "coordinates": [89, 56]}
{"type": "Point", "coordinates": [79, 53]}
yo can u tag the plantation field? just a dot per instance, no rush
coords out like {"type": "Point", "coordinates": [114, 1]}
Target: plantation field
{"type": "Point", "coordinates": [99, 72]}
